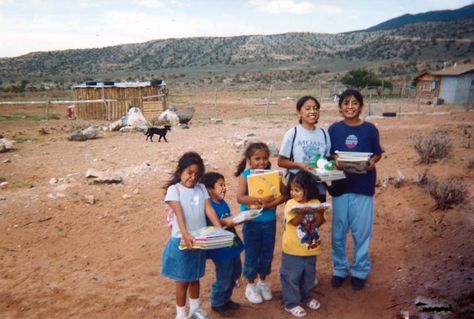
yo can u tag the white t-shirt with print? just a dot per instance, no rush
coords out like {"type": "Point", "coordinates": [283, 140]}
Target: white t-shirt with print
{"type": "Point", "coordinates": [306, 146]}
{"type": "Point", "coordinates": [192, 201]}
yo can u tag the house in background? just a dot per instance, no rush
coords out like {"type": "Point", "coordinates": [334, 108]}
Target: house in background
{"type": "Point", "coordinates": [455, 85]}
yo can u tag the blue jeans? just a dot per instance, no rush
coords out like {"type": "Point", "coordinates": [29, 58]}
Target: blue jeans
{"type": "Point", "coordinates": [297, 274]}
{"type": "Point", "coordinates": [227, 273]}
{"type": "Point", "coordinates": [354, 212]}
{"type": "Point", "coordinates": [259, 240]}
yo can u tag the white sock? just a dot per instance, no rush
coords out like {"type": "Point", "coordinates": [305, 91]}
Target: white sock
{"type": "Point", "coordinates": [193, 305]}
{"type": "Point", "coordinates": [180, 312]}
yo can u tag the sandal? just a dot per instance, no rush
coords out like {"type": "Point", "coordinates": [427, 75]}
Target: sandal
{"type": "Point", "coordinates": [313, 304]}
{"type": "Point", "coordinates": [297, 311]}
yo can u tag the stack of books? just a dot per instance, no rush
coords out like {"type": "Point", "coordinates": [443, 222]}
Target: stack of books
{"type": "Point", "coordinates": [263, 183]}
{"type": "Point", "coordinates": [353, 162]}
{"type": "Point", "coordinates": [210, 237]}
{"type": "Point", "coordinates": [246, 215]}
{"type": "Point", "coordinates": [326, 175]}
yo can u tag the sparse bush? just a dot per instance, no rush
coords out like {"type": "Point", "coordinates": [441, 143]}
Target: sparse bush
{"type": "Point", "coordinates": [447, 193]}
{"type": "Point", "coordinates": [432, 146]}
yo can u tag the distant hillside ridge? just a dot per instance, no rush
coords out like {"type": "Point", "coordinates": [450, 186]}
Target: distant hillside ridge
{"type": "Point", "coordinates": [413, 43]}
{"type": "Point", "coordinates": [466, 12]}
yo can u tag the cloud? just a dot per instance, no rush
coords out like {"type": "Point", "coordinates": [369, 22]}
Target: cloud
{"type": "Point", "coordinates": [151, 3]}
{"type": "Point", "coordinates": [87, 4]}
{"type": "Point", "coordinates": [283, 6]}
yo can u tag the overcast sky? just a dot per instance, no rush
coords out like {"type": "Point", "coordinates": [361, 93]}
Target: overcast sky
{"type": "Point", "coordinates": [44, 25]}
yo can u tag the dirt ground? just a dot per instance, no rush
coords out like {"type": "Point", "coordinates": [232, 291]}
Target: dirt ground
{"type": "Point", "coordinates": [64, 257]}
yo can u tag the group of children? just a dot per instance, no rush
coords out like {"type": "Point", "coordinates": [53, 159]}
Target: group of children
{"type": "Point", "coordinates": [196, 199]}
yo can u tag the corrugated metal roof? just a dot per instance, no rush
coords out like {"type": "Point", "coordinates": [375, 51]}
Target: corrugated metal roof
{"type": "Point", "coordinates": [117, 84]}
{"type": "Point", "coordinates": [455, 70]}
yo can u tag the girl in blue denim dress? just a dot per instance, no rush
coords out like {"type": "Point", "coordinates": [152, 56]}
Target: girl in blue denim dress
{"type": "Point", "coordinates": [259, 234]}
{"type": "Point", "coordinates": [190, 203]}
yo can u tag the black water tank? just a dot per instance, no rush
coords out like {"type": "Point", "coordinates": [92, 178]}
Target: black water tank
{"type": "Point", "coordinates": [109, 83]}
{"type": "Point", "coordinates": [91, 83]}
{"type": "Point", "coordinates": [156, 82]}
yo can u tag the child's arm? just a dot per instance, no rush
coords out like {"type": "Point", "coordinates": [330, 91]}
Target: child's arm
{"type": "Point", "coordinates": [286, 163]}
{"type": "Point", "coordinates": [319, 216]}
{"type": "Point", "coordinates": [295, 221]}
{"type": "Point", "coordinates": [374, 159]}
{"type": "Point", "coordinates": [188, 239]}
{"type": "Point", "coordinates": [243, 198]}
{"type": "Point", "coordinates": [211, 214]}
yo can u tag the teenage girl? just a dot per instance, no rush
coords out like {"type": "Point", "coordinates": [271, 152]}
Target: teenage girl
{"type": "Point", "coordinates": [353, 207]}
{"type": "Point", "coordinates": [259, 234]}
{"type": "Point", "coordinates": [300, 245]}
{"type": "Point", "coordinates": [190, 203]}
{"type": "Point", "coordinates": [303, 143]}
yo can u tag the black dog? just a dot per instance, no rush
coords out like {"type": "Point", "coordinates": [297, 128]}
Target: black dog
{"type": "Point", "coordinates": [159, 131]}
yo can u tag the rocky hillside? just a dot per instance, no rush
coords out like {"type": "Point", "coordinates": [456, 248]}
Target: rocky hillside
{"type": "Point", "coordinates": [428, 43]}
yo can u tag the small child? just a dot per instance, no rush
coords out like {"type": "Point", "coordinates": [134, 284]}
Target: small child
{"type": "Point", "coordinates": [190, 203]}
{"type": "Point", "coordinates": [259, 234]}
{"type": "Point", "coordinates": [300, 245]}
{"type": "Point", "coordinates": [226, 260]}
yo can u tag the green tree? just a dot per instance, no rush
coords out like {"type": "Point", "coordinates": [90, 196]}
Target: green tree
{"type": "Point", "coordinates": [358, 78]}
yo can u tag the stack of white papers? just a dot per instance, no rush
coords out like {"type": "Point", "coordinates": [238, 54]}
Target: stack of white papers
{"type": "Point", "coordinates": [314, 207]}
{"type": "Point", "coordinates": [353, 162]}
{"type": "Point", "coordinates": [326, 176]}
{"type": "Point", "coordinates": [246, 215]}
{"type": "Point", "coordinates": [210, 237]}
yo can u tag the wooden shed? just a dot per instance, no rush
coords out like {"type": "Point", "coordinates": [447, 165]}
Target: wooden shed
{"type": "Point", "coordinates": [111, 100]}
{"type": "Point", "coordinates": [427, 85]}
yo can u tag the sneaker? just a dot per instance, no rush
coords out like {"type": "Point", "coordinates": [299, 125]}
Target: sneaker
{"type": "Point", "coordinates": [357, 283]}
{"type": "Point", "coordinates": [223, 310]}
{"type": "Point", "coordinates": [232, 305]}
{"type": "Point", "coordinates": [337, 281]}
{"type": "Point", "coordinates": [252, 293]}
{"type": "Point", "coordinates": [198, 314]}
{"type": "Point", "coordinates": [265, 291]}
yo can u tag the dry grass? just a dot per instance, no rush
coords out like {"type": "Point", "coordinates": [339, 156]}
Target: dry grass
{"type": "Point", "coordinates": [447, 193]}
{"type": "Point", "coordinates": [432, 146]}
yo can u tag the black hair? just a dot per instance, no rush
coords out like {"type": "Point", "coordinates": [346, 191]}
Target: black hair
{"type": "Point", "coordinates": [249, 151]}
{"type": "Point", "coordinates": [186, 160]}
{"type": "Point", "coordinates": [210, 179]}
{"type": "Point", "coordinates": [303, 100]}
{"type": "Point", "coordinates": [308, 182]}
{"type": "Point", "coordinates": [349, 92]}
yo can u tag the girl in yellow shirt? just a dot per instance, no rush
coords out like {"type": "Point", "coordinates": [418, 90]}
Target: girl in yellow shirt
{"type": "Point", "coordinates": [301, 244]}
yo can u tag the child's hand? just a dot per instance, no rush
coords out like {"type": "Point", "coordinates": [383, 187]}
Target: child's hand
{"type": "Point", "coordinates": [189, 240]}
{"type": "Point", "coordinates": [371, 164]}
{"type": "Point", "coordinates": [227, 222]}
{"type": "Point", "coordinates": [304, 167]}
{"type": "Point", "coordinates": [306, 210]}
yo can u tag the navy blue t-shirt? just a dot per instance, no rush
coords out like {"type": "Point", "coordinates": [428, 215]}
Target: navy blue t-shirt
{"type": "Point", "coordinates": [222, 211]}
{"type": "Point", "coordinates": [361, 138]}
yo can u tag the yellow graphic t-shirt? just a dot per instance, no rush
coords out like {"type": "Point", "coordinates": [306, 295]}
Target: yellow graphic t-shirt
{"type": "Point", "coordinates": [301, 240]}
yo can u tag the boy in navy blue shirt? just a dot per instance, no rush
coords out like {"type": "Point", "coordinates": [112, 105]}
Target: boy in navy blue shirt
{"type": "Point", "coordinates": [353, 197]}
{"type": "Point", "coordinates": [227, 260]}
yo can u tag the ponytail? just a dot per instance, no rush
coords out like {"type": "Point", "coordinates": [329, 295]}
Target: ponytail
{"type": "Point", "coordinates": [241, 167]}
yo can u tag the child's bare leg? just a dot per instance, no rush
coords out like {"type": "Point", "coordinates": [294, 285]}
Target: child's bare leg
{"type": "Point", "coordinates": [181, 289]}
{"type": "Point", "coordinates": [194, 289]}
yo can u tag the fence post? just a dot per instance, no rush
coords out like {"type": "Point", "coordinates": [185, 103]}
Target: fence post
{"type": "Point", "coordinates": [47, 109]}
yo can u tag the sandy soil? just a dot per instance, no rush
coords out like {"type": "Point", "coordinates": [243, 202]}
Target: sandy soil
{"type": "Point", "coordinates": [62, 257]}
